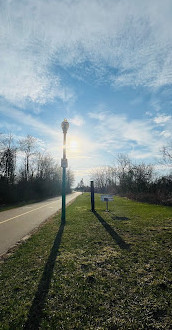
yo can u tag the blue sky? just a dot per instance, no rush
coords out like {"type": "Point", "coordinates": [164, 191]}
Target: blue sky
{"type": "Point", "coordinates": [105, 65]}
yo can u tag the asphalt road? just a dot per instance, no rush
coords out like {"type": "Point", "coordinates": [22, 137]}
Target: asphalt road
{"type": "Point", "coordinates": [17, 223]}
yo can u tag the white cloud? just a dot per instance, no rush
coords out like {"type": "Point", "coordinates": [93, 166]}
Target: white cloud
{"type": "Point", "coordinates": [122, 43]}
{"type": "Point", "coordinates": [148, 113]}
{"type": "Point", "coordinates": [136, 154]}
{"type": "Point", "coordinates": [155, 103]}
{"type": "Point", "coordinates": [77, 121]}
{"type": "Point", "coordinates": [26, 56]}
{"type": "Point", "coordinates": [166, 134]}
{"type": "Point", "coordinates": [30, 121]}
{"type": "Point", "coordinates": [139, 138]}
{"type": "Point", "coordinates": [134, 38]}
{"type": "Point", "coordinates": [9, 127]}
{"type": "Point", "coordinates": [162, 119]}
{"type": "Point", "coordinates": [97, 115]}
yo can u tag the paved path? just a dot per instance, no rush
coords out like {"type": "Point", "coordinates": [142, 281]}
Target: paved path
{"type": "Point", "coordinates": [17, 223]}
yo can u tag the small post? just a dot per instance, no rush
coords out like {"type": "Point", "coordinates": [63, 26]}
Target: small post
{"type": "Point", "coordinates": [106, 199]}
{"type": "Point", "coordinates": [92, 196]}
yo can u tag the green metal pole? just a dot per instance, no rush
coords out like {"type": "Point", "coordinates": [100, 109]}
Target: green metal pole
{"type": "Point", "coordinates": [63, 216]}
{"type": "Point", "coordinates": [65, 126]}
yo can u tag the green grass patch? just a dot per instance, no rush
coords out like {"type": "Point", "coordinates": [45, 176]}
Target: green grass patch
{"type": "Point", "coordinates": [97, 271]}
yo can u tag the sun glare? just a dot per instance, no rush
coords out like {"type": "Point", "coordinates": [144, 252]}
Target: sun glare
{"type": "Point", "coordinates": [74, 146]}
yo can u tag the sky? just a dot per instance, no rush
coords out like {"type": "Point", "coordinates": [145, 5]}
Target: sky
{"type": "Point", "coordinates": [105, 65]}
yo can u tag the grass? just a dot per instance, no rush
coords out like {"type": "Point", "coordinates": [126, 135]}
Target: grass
{"type": "Point", "coordinates": [96, 271]}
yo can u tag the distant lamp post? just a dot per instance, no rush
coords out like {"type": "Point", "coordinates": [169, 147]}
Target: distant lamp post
{"type": "Point", "coordinates": [64, 164]}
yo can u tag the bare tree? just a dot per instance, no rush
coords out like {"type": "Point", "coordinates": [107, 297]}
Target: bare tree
{"type": "Point", "coordinates": [69, 180]}
{"type": "Point", "coordinates": [46, 166]}
{"type": "Point", "coordinates": [123, 170]}
{"type": "Point", "coordinates": [124, 163]}
{"type": "Point", "coordinates": [80, 186]}
{"type": "Point", "coordinates": [104, 178]}
{"type": "Point", "coordinates": [166, 152]}
{"type": "Point", "coordinates": [142, 176]}
{"type": "Point", "coordinates": [7, 157]}
{"type": "Point", "coordinates": [28, 146]}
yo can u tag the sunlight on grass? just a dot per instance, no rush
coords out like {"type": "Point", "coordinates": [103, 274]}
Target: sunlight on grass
{"type": "Point", "coordinates": [81, 276]}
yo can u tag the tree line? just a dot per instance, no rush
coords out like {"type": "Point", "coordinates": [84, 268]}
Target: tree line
{"type": "Point", "coordinates": [135, 181]}
{"type": "Point", "coordinates": [26, 173]}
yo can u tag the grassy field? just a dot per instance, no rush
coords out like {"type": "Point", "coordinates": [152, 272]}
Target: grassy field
{"type": "Point", "coordinates": [96, 271]}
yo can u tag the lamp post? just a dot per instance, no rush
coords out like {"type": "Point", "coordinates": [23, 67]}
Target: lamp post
{"type": "Point", "coordinates": [65, 126]}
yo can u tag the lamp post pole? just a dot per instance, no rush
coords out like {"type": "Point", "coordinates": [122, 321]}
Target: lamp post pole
{"type": "Point", "coordinates": [65, 126]}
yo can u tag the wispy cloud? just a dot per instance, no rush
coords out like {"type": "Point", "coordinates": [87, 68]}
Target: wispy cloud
{"type": "Point", "coordinates": [45, 46]}
{"type": "Point", "coordinates": [128, 42]}
{"type": "Point", "coordinates": [28, 120]}
{"type": "Point", "coordinates": [9, 127]}
{"type": "Point", "coordinates": [77, 120]}
{"type": "Point", "coordinates": [139, 138]}
{"type": "Point", "coordinates": [161, 119]}
{"type": "Point", "coordinates": [166, 134]}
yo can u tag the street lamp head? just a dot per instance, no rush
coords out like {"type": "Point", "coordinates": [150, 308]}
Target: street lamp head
{"type": "Point", "coordinates": [65, 126]}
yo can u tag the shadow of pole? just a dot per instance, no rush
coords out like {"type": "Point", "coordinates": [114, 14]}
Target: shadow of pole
{"type": "Point", "coordinates": [122, 244]}
{"type": "Point", "coordinates": [36, 310]}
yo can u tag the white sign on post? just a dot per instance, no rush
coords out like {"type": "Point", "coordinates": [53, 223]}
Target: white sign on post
{"type": "Point", "coordinates": [107, 198]}
{"type": "Point", "coordinates": [64, 162]}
